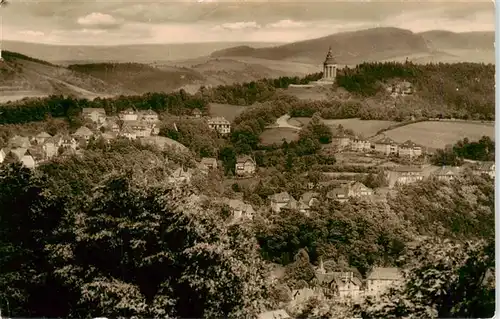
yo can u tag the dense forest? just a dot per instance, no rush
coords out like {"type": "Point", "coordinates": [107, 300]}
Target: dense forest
{"type": "Point", "coordinates": [462, 87]}
{"type": "Point", "coordinates": [482, 150]}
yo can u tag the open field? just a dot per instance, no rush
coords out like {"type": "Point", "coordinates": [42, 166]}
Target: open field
{"type": "Point", "coordinates": [439, 134]}
{"type": "Point", "coordinates": [365, 128]}
{"type": "Point", "coordinates": [276, 135]}
{"type": "Point", "coordinates": [230, 112]}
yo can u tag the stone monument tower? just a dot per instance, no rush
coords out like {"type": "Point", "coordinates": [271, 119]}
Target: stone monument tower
{"type": "Point", "coordinates": [329, 68]}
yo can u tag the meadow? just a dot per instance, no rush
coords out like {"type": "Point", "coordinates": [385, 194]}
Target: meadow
{"type": "Point", "coordinates": [276, 135]}
{"type": "Point", "coordinates": [365, 128]}
{"type": "Point", "coordinates": [436, 134]}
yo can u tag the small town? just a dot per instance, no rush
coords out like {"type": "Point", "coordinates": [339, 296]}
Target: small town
{"type": "Point", "coordinates": [165, 161]}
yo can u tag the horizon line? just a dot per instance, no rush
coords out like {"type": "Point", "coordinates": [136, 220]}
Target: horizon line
{"type": "Point", "coordinates": [235, 42]}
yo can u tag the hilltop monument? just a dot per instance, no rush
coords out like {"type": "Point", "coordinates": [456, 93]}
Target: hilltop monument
{"type": "Point", "coordinates": [329, 73]}
{"type": "Point", "coordinates": [329, 68]}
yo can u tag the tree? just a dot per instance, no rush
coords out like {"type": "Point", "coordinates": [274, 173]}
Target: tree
{"type": "Point", "coordinates": [138, 249]}
{"type": "Point", "coordinates": [443, 279]}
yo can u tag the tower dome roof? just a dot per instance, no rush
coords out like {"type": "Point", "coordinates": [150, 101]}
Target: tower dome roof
{"type": "Point", "coordinates": [329, 57]}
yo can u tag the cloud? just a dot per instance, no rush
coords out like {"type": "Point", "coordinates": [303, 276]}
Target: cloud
{"type": "Point", "coordinates": [31, 33]}
{"type": "Point", "coordinates": [239, 25]}
{"type": "Point", "coordinates": [98, 20]}
{"type": "Point", "coordinates": [287, 24]}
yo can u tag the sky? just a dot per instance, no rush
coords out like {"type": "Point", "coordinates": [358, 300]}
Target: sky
{"type": "Point", "coordinates": [112, 22]}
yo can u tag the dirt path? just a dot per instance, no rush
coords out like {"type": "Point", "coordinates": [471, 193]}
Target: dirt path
{"type": "Point", "coordinates": [283, 122]}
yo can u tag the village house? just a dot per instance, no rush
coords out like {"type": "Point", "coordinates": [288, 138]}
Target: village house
{"type": "Point", "coordinates": [69, 142]}
{"type": "Point", "coordinates": [108, 136]}
{"type": "Point", "coordinates": [409, 149]}
{"type": "Point", "coordinates": [344, 284]}
{"type": "Point", "coordinates": [404, 175]}
{"type": "Point", "coordinates": [140, 129]}
{"type": "Point", "coordinates": [403, 88]}
{"type": "Point", "coordinates": [311, 199]}
{"type": "Point", "coordinates": [23, 156]}
{"type": "Point", "coordinates": [83, 133]}
{"type": "Point", "coordinates": [148, 116]}
{"type": "Point", "coordinates": [341, 141]}
{"type": "Point", "coordinates": [51, 146]}
{"type": "Point", "coordinates": [487, 168]}
{"type": "Point", "coordinates": [280, 200]}
{"type": "Point", "coordinates": [343, 192]}
{"type": "Point", "coordinates": [447, 173]}
{"type": "Point", "coordinates": [219, 124]}
{"type": "Point", "coordinates": [208, 163]}
{"type": "Point", "coordinates": [339, 194]}
{"type": "Point", "coordinates": [37, 153]}
{"type": "Point", "coordinates": [112, 124]}
{"type": "Point", "coordinates": [386, 146]}
{"type": "Point", "coordinates": [240, 210]}
{"type": "Point", "coordinates": [245, 166]}
{"type": "Point", "coordinates": [196, 113]}
{"type": "Point", "coordinates": [3, 154]}
{"type": "Point", "coordinates": [128, 115]}
{"type": "Point", "coordinates": [181, 176]}
{"type": "Point", "coordinates": [380, 279]}
{"type": "Point", "coordinates": [41, 137]}
{"type": "Point", "coordinates": [360, 145]}
{"type": "Point", "coordinates": [128, 132]}
{"type": "Point", "coordinates": [96, 115]}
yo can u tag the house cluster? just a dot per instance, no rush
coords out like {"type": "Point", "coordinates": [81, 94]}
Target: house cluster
{"type": "Point", "coordinates": [405, 175]}
{"type": "Point", "coordinates": [403, 88]}
{"type": "Point", "coordinates": [310, 199]}
{"type": "Point", "coordinates": [35, 149]}
{"type": "Point", "coordinates": [385, 146]}
{"type": "Point", "coordinates": [129, 123]}
{"type": "Point", "coordinates": [346, 285]}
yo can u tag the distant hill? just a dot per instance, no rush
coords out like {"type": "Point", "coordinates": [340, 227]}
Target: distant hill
{"type": "Point", "coordinates": [446, 40]}
{"type": "Point", "coordinates": [23, 76]}
{"type": "Point", "coordinates": [377, 44]}
{"type": "Point", "coordinates": [144, 53]}
{"type": "Point", "coordinates": [140, 78]}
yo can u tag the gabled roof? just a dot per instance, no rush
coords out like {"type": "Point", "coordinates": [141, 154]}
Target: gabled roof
{"type": "Point", "coordinates": [218, 120]}
{"type": "Point", "coordinates": [88, 110]}
{"type": "Point", "coordinates": [56, 139]}
{"type": "Point", "coordinates": [208, 161]}
{"type": "Point", "coordinates": [19, 141]}
{"type": "Point", "coordinates": [407, 169]}
{"type": "Point", "coordinates": [386, 141]}
{"type": "Point", "coordinates": [243, 159]}
{"type": "Point", "coordinates": [36, 152]}
{"type": "Point", "coordinates": [306, 197]}
{"type": "Point", "coordinates": [43, 135]}
{"type": "Point", "coordinates": [19, 152]}
{"type": "Point", "coordinates": [281, 197]}
{"type": "Point", "coordinates": [358, 186]}
{"type": "Point", "coordinates": [83, 131]}
{"type": "Point", "coordinates": [196, 111]}
{"type": "Point", "coordinates": [340, 190]}
{"type": "Point", "coordinates": [148, 112]}
{"type": "Point", "coordinates": [409, 144]}
{"type": "Point", "coordinates": [447, 170]}
{"type": "Point", "coordinates": [385, 273]}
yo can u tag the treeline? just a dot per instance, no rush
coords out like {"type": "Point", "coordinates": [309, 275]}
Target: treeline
{"type": "Point", "coordinates": [462, 87]}
{"type": "Point", "coordinates": [482, 150]}
{"type": "Point", "coordinates": [252, 92]}
{"type": "Point", "coordinates": [40, 109]}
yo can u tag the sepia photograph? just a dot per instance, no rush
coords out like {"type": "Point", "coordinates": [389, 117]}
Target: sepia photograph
{"type": "Point", "coordinates": [247, 159]}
